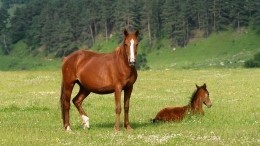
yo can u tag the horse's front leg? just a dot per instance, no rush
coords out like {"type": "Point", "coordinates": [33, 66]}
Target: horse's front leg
{"type": "Point", "coordinates": [118, 91]}
{"type": "Point", "coordinates": [127, 95]}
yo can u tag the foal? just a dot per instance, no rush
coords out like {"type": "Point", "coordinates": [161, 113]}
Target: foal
{"type": "Point", "coordinates": [199, 96]}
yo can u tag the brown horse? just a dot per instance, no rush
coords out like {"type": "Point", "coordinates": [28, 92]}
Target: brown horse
{"type": "Point", "coordinates": [199, 96]}
{"type": "Point", "coordinates": [101, 74]}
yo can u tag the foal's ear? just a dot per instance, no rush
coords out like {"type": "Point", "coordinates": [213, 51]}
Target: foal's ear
{"type": "Point", "coordinates": [197, 86]}
{"type": "Point", "coordinates": [126, 32]}
{"type": "Point", "coordinates": [137, 33]}
{"type": "Point", "coordinates": [204, 86]}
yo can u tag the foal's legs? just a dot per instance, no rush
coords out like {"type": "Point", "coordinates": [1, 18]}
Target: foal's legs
{"type": "Point", "coordinates": [77, 100]}
{"type": "Point", "coordinates": [127, 95]}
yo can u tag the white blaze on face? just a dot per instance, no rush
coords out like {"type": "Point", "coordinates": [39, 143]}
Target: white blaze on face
{"type": "Point", "coordinates": [132, 53]}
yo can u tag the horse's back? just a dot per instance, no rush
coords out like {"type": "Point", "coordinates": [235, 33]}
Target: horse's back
{"type": "Point", "coordinates": [77, 55]}
{"type": "Point", "coordinates": [171, 114]}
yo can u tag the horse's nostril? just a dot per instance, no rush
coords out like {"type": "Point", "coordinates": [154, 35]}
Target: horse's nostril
{"type": "Point", "coordinates": [131, 63]}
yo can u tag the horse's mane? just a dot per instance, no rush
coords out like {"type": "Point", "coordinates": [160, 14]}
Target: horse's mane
{"type": "Point", "coordinates": [193, 97]}
{"type": "Point", "coordinates": [117, 49]}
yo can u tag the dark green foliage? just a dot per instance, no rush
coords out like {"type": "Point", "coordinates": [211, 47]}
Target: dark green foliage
{"type": "Point", "coordinates": [256, 15]}
{"type": "Point", "coordinates": [255, 62]}
{"type": "Point", "coordinates": [4, 37]}
{"type": "Point", "coordinates": [58, 25]}
{"type": "Point", "coordinates": [142, 62]}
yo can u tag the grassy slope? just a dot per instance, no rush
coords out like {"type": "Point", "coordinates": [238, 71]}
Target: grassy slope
{"type": "Point", "coordinates": [225, 49]}
{"type": "Point", "coordinates": [30, 114]}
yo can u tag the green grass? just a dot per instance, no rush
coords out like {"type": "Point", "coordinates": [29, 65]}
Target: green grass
{"type": "Point", "coordinates": [223, 49]}
{"type": "Point", "coordinates": [9, 63]}
{"type": "Point", "coordinates": [30, 113]}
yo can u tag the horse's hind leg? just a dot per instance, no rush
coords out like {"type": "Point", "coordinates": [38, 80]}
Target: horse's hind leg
{"type": "Point", "coordinates": [65, 104]}
{"type": "Point", "coordinates": [77, 100]}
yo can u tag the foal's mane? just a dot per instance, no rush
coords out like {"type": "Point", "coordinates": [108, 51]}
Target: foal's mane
{"type": "Point", "coordinates": [193, 96]}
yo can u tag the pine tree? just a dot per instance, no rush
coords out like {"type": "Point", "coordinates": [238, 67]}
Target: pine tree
{"type": "Point", "coordinates": [150, 17]}
{"type": "Point", "coordinates": [169, 18]}
{"type": "Point", "coordinates": [4, 38]}
{"type": "Point", "coordinates": [256, 15]}
{"type": "Point", "coordinates": [107, 19]}
{"type": "Point", "coordinates": [239, 13]}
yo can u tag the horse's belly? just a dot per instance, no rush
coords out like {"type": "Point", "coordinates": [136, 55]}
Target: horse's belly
{"type": "Point", "coordinates": [102, 91]}
{"type": "Point", "coordinates": [98, 87]}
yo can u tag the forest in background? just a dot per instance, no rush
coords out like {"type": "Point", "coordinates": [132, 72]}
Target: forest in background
{"type": "Point", "coordinates": [57, 26]}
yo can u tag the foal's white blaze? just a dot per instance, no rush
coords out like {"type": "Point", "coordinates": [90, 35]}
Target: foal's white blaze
{"type": "Point", "coordinates": [132, 53]}
{"type": "Point", "coordinates": [85, 121]}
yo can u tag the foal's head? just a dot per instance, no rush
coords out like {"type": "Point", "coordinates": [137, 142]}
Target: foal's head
{"type": "Point", "coordinates": [201, 95]}
{"type": "Point", "coordinates": [130, 46]}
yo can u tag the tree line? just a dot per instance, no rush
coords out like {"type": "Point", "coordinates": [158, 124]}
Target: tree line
{"type": "Point", "coordinates": [58, 26]}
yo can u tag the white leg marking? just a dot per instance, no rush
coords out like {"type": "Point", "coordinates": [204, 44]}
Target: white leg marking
{"type": "Point", "coordinates": [68, 129]}
{"type": "Point", "coordinates": [85, 120]}
{"type": "Point", "coordinates": [132, 54]}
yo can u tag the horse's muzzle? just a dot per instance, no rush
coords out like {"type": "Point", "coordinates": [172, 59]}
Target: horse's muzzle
{"type": "Point", "coordinates": [132, 64]}
{"type": "Point", "coordinates": [208, 104]}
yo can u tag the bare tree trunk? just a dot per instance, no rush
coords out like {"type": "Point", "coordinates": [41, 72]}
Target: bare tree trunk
{"type": "Point", "coordinates": [214, 15]}
{"type": "Point", "coordinates": [199, 20]}
{"type": "Point", "coordinates": [95, 29]}
{"type": "Point", "coordinates": [238, 21]}
{"type": "Point", "coordinates": [207, 29]}
{"type": "Point", "coordinates": [106, 30]}
{"type": "Point", "coordinates": [92, 34]}
{"type": "Point", "coordinates": [149, 32]}
{"type": "Point", "coordinates": [5, 45]}
{"type": "Point", "coordinates": [187, 32]}
{"type": "Point", "coordinates": [128, 22]}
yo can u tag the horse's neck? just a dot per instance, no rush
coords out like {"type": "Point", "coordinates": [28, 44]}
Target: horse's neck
{"type": "Point", "coordinates": [187, 109]}
{"type": "Point", "coordinates": [196, 105]}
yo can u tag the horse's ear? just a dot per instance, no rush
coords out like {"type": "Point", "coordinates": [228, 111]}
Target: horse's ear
{"type": "Point", "coordinates": [197, 86]}
{"type": "Point", "coordinates": [126, 32]}
{"type": "Point", "coordinates": [204, 86]}
{"type": "Point", "coordinates": [137, 33]}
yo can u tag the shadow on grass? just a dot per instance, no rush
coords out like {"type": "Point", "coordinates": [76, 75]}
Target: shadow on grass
{"type": "Point", "coordinates": [134, 125]}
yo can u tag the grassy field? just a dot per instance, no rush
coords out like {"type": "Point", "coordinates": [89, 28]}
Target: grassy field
{"type": "Point", "coordinates": [30, 113]}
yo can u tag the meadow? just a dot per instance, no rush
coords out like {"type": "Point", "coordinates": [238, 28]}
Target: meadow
{"type": "Point", "coordinates": [30, 110]}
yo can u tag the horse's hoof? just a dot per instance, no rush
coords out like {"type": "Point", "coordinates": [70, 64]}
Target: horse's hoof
{"type": "Point", "coordinates": [85, 126]}
{"type": "Point", "coordinates": [117, 129]}
{"type": "Point", "coordinates": [85, 122]}
{"type": "Point", "coordinates": [129, 129]}
{"type": "Point", "coordinates": [68, 129]}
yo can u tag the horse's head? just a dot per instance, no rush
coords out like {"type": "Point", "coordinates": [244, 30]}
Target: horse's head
{"type": "Point", "coordinates": [204, 95]}
{"type": "Point", "coordinates": [130, 46]}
